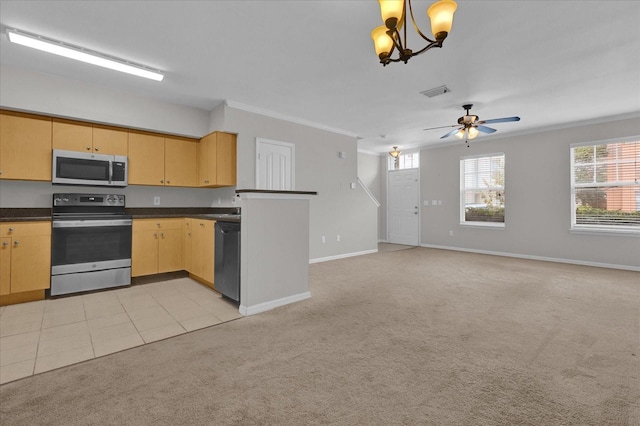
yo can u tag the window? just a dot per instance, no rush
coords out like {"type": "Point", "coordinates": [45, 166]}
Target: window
{"type": "Point", "coordinates": [605, 186]}
{"type": "Point", "coordinates": [482, 190]}
{"type": "Point", "coordinates": [405, 161]}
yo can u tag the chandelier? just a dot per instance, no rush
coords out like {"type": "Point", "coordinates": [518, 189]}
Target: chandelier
{"type": "Point", "coordinates": [387, 38]}
{"type": "Point", "coordinates": [396, 157]}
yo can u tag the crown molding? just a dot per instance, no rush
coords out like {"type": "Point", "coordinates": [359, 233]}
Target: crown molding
{"type": "Point", "coordinates": [291, 119]}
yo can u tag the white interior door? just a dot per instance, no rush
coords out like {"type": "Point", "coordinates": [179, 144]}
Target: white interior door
{"type": "Point", "coordinates": [275, 165]}
{"type": "Point", "coordinates": [403, 208]}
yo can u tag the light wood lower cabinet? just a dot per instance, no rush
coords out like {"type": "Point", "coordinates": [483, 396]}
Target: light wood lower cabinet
{"type": "Point", "coordinates": [157, 246]}
{"type": "Point", "coordinates": [25, 257]}
{"type": "Point", "coordinates": [202, 249]}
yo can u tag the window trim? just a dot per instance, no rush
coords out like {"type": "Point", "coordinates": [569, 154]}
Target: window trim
{"type": "Point", "coordinates": [482, 225]}
{"type": "Point", "coordinates": [586, 229]}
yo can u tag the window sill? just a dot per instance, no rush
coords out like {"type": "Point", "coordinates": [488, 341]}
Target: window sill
{"type": "Point", "coordinates": [484, 225]}
{"type": "Point", "coordinates": [625, 232]}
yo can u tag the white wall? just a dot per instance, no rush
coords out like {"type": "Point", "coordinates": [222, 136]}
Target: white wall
{"type": "Point", "coordinates": [47, 94]}
{"type": "Point", "coordinates": [337, 209]}
{"type": "Point", "coordinates": [538, 200]}
{"type": "Point", "coordinates": [369, 174]}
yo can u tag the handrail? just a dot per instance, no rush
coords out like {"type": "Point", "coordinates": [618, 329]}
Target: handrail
{"type": "Point", "coordinates": [369, 193]}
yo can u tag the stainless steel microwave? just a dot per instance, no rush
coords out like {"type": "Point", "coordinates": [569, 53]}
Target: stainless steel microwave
{"type": "Point", "coordinates": [85, 168]}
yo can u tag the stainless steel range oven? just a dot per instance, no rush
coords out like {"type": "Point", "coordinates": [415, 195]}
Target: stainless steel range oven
{"type": "Point", "coordinates": [91, 243]}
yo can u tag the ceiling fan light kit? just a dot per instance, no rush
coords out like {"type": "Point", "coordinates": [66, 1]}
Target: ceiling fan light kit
{"type": "Point", "coordinates": [470, 126]}
{"type": "Point", "coordinates": [387, 38]}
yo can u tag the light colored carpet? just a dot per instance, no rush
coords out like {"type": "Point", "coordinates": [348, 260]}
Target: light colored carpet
{"type": "Point", "coordinates": [410, 337]}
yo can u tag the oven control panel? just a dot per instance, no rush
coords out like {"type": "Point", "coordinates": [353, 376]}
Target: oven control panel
{"type": "Point", "coordinates": [115, 200]}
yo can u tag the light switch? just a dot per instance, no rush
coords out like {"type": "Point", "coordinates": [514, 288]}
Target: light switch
{"type": "Point", "coordinates": [434, 202]}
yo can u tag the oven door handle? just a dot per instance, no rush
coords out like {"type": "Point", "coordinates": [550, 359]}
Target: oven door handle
{"type": "Point", "coordinates": [110, 171]}
{"type": "Point", "coordinates": [91, 223]}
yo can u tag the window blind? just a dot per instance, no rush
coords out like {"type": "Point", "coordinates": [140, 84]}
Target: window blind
{"type": "Point", "coordinates": [482, 189]}
{"type": "Point", "coordinates": [605, 181]}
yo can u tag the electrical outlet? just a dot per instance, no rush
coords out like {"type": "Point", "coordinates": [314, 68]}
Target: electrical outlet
{"type": "Point", "coordinates": [156, 201]}
{"type": "Point", "coordinates": [450, 233]}
{"type": "Point", "coordinates": [338, 238]}
{"type": "Point", "coordinates": [324, 240]}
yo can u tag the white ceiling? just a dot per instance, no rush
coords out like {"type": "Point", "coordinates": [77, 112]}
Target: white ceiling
{"type": "Point", "coordinates": [550, 62]}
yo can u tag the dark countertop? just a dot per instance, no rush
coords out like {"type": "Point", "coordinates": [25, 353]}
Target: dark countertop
{"type": "Point", "coordinates": [24, 214]}
{"type": "Point", "coordinates": [269, 191]}
{"type": "Point", "coordinates": [227, 214]}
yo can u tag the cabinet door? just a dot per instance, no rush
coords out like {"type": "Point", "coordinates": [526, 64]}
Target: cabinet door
{"type": "Point", "coordinates": [146, 159]}
{"type": "Point", "coordinates": [207, 160]}
{"type": "Point", "coordinates": [180, 168]}
{"type": "Point", "coordinates": [144, 253]}
{"type": "Point", "coordinates": [170, 251]}
{"type": "Point", "coordinates": [30, 263]}
{"type": "Point", "coordinates": [203, 249]}
{"type": "Point", "coordinates": [72, 136]}
{"type": "Point", "coordinates": [226, 159]}
{"type": "Point", "coordinates": [110, 141]}
{"type": "Point", "coordinates": [5, 266]}
{"type": "Point", "coordinates": [188, 248]}
{"type": "Point", "coordinates": [25, 147]}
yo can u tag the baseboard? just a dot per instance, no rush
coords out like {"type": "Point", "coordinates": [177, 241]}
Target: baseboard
{"type": "Point", "coordinates": [342, 256]}
{"type": "Point", "coordinates": [267, 306]}
{"type": "Point", "coordinates": [542, 258]}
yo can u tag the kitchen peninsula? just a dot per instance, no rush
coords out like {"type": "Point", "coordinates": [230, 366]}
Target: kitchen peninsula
{"type": "Point", "coordinates": [273, 274]}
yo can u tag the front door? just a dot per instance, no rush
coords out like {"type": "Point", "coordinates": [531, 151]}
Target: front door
{"type": "Point", "coordinates": [404, 211]}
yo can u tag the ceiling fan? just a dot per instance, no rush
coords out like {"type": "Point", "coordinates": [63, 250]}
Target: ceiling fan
{"type": "Point", "coordinates": [469, 126]}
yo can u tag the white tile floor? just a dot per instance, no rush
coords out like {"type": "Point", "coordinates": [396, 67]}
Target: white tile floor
{"type": "Point", "coordinates": [48, 334]}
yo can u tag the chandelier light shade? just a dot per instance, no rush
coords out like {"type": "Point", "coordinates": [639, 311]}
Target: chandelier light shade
{"type": "Point", "coordinates": [388, 38]}
{"type": "Point", "coordinates": [396, 157]}
{"type": "Point", "coordinates": [81, 54]}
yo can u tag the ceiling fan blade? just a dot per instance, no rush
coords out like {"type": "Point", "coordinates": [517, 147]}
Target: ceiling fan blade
{"type": "Point", "coordinates": [449, 134]}
{"type": "Point", "coordinates": [485, 129]}
{"type": "Point", "coordinates": [441, 127]}
{"type": "Point", "coordinates": [499, 120]}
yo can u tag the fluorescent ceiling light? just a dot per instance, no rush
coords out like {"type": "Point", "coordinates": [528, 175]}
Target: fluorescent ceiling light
{"type": "Point", "coordinates": [80, 54]}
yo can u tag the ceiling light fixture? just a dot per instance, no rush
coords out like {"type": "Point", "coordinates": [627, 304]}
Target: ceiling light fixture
{"type": "Point", "coordinates": [396, 157]}
{"type": "Point", "coordinates": [387, 37]}
{"type": "Point", "coordinates": [81, 54]}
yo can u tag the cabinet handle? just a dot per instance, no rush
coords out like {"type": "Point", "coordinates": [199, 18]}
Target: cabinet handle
{"type": "Point", "coordinates": [168, 181]}
{"type": "Point", "coordinates": [96, 148]}
{"type": "Point", "coordinates": [158, 225]}
{"type": "Point", "coordinates": [15, 243]}
{"type": "Point", "coordinates": [11, 229]}
{"type": "Point", "coordinates": [88, 148]}
{"type": "Point", "coordinates": [155, 235]}
{"type": "Point", "coordinates": [161, 181]}
{"type": "Point", "coordinates": [5, 244]}
{"type": "Point", "coordinates": [162, 234]}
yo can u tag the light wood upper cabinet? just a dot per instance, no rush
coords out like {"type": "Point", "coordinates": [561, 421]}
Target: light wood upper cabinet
{"type": "Point", "coordinates": [25, 256]}
{"type": "Point", "coordinates": [180, 167]}
{"type": "Point", "coordinates": [110, 141]}
{"type": "Point", "coordinates": [226, 159]}
{"type": "Point", "coordinates": [217, 160]}
{"type": "Point", "coordinates": [146, 159]}
{"type": "Point", "coordinates": [25, 146]}
{"type": "Point", "coordinates": [75, 136]}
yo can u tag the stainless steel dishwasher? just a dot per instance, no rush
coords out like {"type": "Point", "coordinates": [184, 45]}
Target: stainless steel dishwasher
{"type": "Point", "coordinates": [227, 259]}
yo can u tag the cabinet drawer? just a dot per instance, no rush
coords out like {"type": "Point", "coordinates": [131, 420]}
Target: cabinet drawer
{"type": "Point", "coordinates": [151, 224]}
{"type": "Point", "coordinates": [21, 229]}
